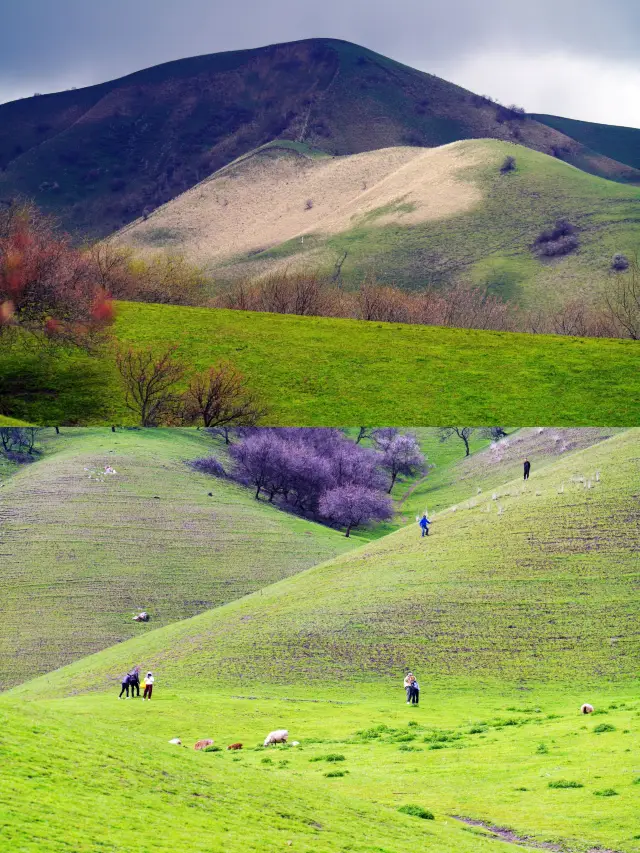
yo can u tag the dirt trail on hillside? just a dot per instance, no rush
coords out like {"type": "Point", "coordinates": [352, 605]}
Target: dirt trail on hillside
{"type": "Point", "coordinates": [275, 196]}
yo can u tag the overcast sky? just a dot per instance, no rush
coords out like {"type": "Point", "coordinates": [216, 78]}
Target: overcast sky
{"type": "Point", "coordinates": [578, 58]}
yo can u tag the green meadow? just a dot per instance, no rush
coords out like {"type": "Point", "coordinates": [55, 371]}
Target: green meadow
{"type": "Point", "coordinates": [335, 372]}
{"type": "Point", "coordinates": [83, 551]}
{"type": "Point", "coordinates": [519, 607]}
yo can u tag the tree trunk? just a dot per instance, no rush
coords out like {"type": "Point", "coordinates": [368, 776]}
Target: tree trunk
{"type": "Point", "coordinates": [348, 531]}
{"type": "Point", "coordinates": [393, 482]}
{"type": "Point", "coordinates": [466, 445]}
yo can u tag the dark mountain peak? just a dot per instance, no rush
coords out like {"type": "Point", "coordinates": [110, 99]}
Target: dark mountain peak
{"type": "Point", "coordinates": [101, 155]}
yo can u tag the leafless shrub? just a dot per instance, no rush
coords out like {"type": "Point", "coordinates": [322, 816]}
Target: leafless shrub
{"type": "Point", "coordinates": [150, 383]}
{"type": "Point", "coordinates": [622, 302]}
{"type": "Point", "coordinates": [619, 262]}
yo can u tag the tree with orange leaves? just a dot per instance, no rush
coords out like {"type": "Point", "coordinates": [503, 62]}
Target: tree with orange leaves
{"type": "Point", "coordinates": [47, 286]}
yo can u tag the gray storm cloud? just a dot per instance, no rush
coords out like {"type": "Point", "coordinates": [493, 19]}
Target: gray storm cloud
{"type": "Point", "coordinates": [576, 58]}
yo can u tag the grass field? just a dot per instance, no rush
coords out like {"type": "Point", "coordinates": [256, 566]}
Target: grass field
{"type": "Point", "coordinates": [81, 551]}
{"type": "Point", "coordinates": [511, 618]}
{"type": "Point", "coordinates": [331, 372]}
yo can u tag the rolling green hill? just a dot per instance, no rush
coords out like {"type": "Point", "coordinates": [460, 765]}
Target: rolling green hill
{"type": "Point", "coordinates": [412, 216]}
{"type": "Point", "coordinates": [332, 372]}
{"type": "Point", "coordinates": [455, 478]}
{"type": "Point", "coordinates": [101, 155]}
{"type": "Point", "coordinates": [83, 551]}
{"type": "Point", "coordinates": [533, 585]}
{"type": "Point", "coordinates": [510, 619]}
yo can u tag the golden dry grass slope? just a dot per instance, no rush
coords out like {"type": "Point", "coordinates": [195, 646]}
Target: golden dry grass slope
{"type": "Point", "coordinates": [414, 216]}
{"type": "Point", "coordinates": [283, 193]}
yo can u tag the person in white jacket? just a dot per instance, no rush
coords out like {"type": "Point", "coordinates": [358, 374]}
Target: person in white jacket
{"type": "Point", "coordinates": [148, 686]}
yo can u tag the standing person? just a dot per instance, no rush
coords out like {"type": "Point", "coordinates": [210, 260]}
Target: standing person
{"type": "Point", "coordinates": [527, 468]}
{"type": "Point", "coordinates": [134, 681]}
{"type": "Point", "coordinates": [415, 692]}
{"type": "Point", "coordinates": [424, 525]}
{"type": "Point", "coordinates": [148, 687]}
{"type": "Point", "coordinates": [408, 686]}
{"type": "Point", "coordinates": [126, 681]}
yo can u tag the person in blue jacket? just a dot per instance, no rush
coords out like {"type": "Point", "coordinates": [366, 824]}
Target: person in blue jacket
{"type": "Point", "coordinates": [424, 525]}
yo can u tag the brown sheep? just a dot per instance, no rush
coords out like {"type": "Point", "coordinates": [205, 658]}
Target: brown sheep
{"type": "Point", "coordinates": [203, 744]}
{"type": "Point", "coordinates": [235, 746]}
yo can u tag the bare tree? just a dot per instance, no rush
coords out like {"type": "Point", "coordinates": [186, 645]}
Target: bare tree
{"type": "Point", "coordinates": [220, 396]}
{"type": "Point", "coordinates": [18, 440]}
{"type": "Point", "coordinates": [150, 382]}
{"type": "Point", "coordinates": [622, 301]}
{"type": "Point", "coordinates": [463, 433]}
{"type": "Point", "coordinates": [363, 432]}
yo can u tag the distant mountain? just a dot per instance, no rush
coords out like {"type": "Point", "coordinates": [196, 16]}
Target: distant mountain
{"type": "Point", "coordinates": [99, 156]}
{"type": "Point", "coordinates": [618, 143]}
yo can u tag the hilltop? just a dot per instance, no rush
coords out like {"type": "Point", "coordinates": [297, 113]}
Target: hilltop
{"type": "Point", "coordinates": [83, 551]}
{"type": "Point", "coordinates": [101, 155]}
{"type": "Point", "coordinates": [409, 216]}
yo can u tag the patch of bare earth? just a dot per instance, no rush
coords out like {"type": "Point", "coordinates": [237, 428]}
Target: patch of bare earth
{"type": "Point", "coordinates": [508, 835]}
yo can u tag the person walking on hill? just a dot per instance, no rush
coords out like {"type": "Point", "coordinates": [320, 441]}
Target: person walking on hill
{"type": "Point", "coordinates": [424, 525]}
{"type": "Point", "coordinates": [527, 468]}
{"type": "Point", "coordinates": [408, 686]}
{"type": "Point", "coordinates": [148, 687]}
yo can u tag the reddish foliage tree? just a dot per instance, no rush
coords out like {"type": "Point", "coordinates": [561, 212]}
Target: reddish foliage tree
{"type": "Point", "coordinates": [47, 286]}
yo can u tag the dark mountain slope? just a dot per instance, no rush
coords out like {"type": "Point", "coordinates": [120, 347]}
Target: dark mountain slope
{"type": "Point", "coordinates": [619, 143]}
{"type": "Point", "coordinates": [99, 156]}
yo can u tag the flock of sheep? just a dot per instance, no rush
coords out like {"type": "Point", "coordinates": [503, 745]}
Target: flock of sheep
{"type": "Point", "coordinates": [274, 737]}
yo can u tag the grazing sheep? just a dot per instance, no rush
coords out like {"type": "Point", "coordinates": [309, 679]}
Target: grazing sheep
{"type": "Point", "coordinates": [141, 617]}
{"type": "Point", "coordinates": [176, 741]}
{"type": "Point", "coordinates": [235, 746]}
{"type": "Point", "coordinates": [586, 708]}
{"type": "Point", "coordinates": [203, 744]}
{"type": "Point", "coordinates": [278, 736]}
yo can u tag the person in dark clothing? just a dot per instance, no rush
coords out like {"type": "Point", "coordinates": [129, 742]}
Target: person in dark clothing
{"type": "Point", "coordinates": [126, 681]}
{"type": "Point", "coordinates": [134, 681]}
{"type": "Point", "coordinates": [424, 525]}
{"type": "Point", "coordinates": [415, 692]}
{"type": "Point", "coordinates": [527, 468]}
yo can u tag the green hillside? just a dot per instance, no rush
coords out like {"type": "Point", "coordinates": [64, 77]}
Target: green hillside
{"type": "Point", "coordinates": [82, 551]}
{"type": "Point", "coordinates": [411, 216]}
{"type": "Point", "coordinates": [460, 604]}
{"type": "Point", "coordinates": [619, 143]}
{"type": "Point", "coordinates": [455, 478]}
{"type": "Point", "coordinates": [511, 621]}
{"type": "Point", "coordinates": [333, 372]}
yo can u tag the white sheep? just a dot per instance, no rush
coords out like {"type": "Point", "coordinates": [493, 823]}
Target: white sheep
{"type": "Point", "coordinates": [277, 736]}
{"type": "Point", "coordinates": [586, 708]}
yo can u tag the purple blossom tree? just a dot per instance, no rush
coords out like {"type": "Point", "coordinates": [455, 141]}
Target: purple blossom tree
{"type": "Point", "coordinates": [351, 506]}
{"type": "Point", "coordinates": [402, 455]}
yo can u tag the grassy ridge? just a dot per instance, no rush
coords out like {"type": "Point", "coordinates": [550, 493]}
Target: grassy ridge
{"type": "Point", "coordinates": [490, 244]}
{"type": "Point", "coordinates": [82, 551]}
{"type": "Point", "coordinates": [315, 370]}
{"type": "Point", "coordinates": [333, 372]}
{"type": "Point", "coordinates": [455, 479]}
{"type": "Point", "coordinates": [460, 604]}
